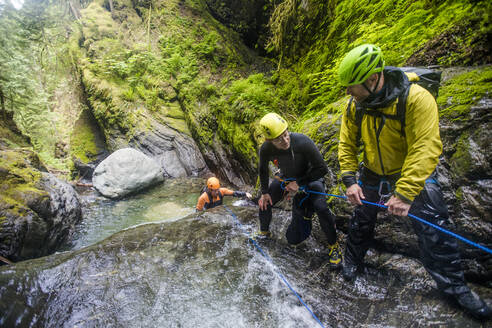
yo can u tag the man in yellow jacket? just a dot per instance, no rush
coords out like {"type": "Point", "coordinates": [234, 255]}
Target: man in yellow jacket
{"type": "Point", "coordinates": [399, 161]}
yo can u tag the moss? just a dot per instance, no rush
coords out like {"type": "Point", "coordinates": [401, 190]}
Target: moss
{"type": "Point", "coordinates": [28, 195]}
{"type": "Point", "coordinates": [97, 22]}
{"type": "Point", "coordinates": [12, 207]}
{"type": "Point", "coordinates": [400, 28]}
{"type": "Point", "coordinates": [461, 161]}
{"type": "Point", "coordinates": [173, 110]}
{"type": "Point", "coordinates": [458, 94]}
{"type": "Point", "coordinates": [11, 139]}
{"type": "Point", "coordinates": [83, 142]}
{"type": "Point", "coordinates": [212, 91]}
{"type": "Point", "coordinates": [178, 125]}
{"type": "Point", "coordinates": [20, 181]}
{"type": "Point", "coordinates": [459, 195]}
{"type": "Point", "coordinates": [18, 168]}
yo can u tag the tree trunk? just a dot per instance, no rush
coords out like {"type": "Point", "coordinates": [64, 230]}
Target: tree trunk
{"type": "Point", "coordinates": [74, 10]}
{"type": "Point", "coordinates": [111, 8]}
{"type": "Point", "coordinates": [3, 111]}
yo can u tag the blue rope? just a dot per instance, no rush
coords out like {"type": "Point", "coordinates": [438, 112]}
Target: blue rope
{"type": "Point", "coordinates": [488, 250]}
{"type": "Point", "coordinates": [271, 262]}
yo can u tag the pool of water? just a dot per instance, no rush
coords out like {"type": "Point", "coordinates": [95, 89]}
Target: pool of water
{"type": "Point", "coordinates": [102, 217]}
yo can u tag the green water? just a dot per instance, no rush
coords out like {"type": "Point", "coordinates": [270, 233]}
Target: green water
{"type": "Point", "coordinates": [102, 217]}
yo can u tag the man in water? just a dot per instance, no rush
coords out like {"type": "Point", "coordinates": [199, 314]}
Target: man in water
{"type": "Point", "coordinates": [301, 165]}
{"type": "Point", "coordinates": [400, 158]}
{"type": "Point", "coordinates": [214, 194]}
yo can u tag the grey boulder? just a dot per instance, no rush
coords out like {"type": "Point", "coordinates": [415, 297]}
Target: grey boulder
{"type": "Point", "coordinates": [126, 171]}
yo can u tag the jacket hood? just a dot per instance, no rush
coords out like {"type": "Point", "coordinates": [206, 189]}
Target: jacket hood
{"type": "Point", "coordinates": [395, 82]}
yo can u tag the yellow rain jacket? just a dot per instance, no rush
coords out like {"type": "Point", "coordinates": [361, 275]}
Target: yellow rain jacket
{"type": "Point", "coordinates": [415, 155]}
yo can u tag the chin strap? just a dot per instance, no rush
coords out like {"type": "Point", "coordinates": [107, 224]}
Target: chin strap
{"type": "Point", "coordinates": [375, 86]}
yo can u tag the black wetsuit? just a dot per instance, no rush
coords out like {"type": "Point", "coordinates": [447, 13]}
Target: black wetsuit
{"type": "Point", "coordinates": [303, 163]}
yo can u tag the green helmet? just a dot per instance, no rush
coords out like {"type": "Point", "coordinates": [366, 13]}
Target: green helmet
{"type": "Point", "coordinates": [360, 63]}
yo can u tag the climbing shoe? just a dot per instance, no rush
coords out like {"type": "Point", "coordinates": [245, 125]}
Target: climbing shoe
{"type": "Point", "coordinates": [261, 235]}
{"type": "Point", "coordinates": [474, 305]}
{"type": "Point", "coordinates": [349, 270]}
{"type": "Point", "coordinates": [335, 255]}
{"type": "Point", "coordinates": [302, 246]}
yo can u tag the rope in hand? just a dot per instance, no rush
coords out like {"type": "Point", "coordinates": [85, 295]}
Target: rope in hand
{"type": "Point", "coordinates": [463, 239]}
{"type": "Point", "coordinates": [277, 271]}
{"type": "Point", "coordinates": [304, 188]}
{"type": "Point", "coordinates": [472, 243]}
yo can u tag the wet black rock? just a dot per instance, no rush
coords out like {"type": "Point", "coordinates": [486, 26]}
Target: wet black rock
{"type": "Point", "coordinates": [38, 220]}
{"type": "Point", "coordinates": [203, 271]}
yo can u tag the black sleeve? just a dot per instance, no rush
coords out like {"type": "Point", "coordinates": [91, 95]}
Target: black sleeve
{"type": "Point", "coordinates": [239, 194]}
{"type": "Point", "coordinates": [318, 167]}
{"type": "Point", "coordinates": [349, 179]}
{"type": "Point", "coordinates": [263, 168]}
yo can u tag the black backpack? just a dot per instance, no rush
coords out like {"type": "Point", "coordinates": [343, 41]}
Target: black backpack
{"type": "Point", "coordinates": [427, 78]}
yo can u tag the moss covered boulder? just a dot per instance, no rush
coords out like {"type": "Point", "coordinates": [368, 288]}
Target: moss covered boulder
{"type": "Point", "coordinates": [37, 211]}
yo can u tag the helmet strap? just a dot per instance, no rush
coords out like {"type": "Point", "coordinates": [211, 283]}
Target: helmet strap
{"type": "Point", "coordinates": [375, 86]}
{"type": "Point", "coordinates": [365, 87]}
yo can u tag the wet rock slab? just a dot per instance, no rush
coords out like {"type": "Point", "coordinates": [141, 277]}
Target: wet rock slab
{"type": "Point", "coordinates": [201, 271]}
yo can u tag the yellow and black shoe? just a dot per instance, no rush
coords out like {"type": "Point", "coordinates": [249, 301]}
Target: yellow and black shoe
{"type": "Point", "coordinates": [335, 255]}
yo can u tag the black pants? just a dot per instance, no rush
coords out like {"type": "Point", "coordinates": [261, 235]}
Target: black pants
{"type": "Point", "coordinates": [438, 251]}
{"type": "Point", "coordinates": [303, 209]}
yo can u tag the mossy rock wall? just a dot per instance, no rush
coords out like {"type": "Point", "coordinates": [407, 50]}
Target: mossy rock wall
{"type": "Point", "coordinates": [171, 64]}
{"type": "Point", "coordinates": [38, 212]}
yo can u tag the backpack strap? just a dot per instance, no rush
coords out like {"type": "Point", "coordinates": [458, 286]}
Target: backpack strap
{"type": "Point", "coordinates": [210, 199]}
{"type": "Point", "coordinates": [360, 111]}
{"type": "Point", "coordinates": [401, 108]}
{"type": "Point", "coordinates": [359, 114]}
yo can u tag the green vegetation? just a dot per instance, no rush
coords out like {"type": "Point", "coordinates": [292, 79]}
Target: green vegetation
{"type": "Point", "coordinates": [171, 62]}
{"type": "Point", "coordinates": [461, 161]}
{"type": "Point", "coordinates": [35, 65]}
{"type": "Point", "coordinates": [458, 94]}
{"type": "Point", "coordinates": [239, 108]}
{"type": "Point", "coordinates": [401, 29]}
{"type": "Point", "coordinates": [83, 142]}
{"type": "Point", "coordinates": [168, 76]}
{"type": "Point", "coordinates": [20, 179]}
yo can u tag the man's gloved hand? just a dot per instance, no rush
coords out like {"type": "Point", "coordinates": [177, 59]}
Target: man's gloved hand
{"type": "Point", "coordinates": [248, 195]}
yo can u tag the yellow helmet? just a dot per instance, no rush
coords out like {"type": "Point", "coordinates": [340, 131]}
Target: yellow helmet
{"type": "Point", "coordinates": [213, 183]}
{"type": "Point", "coordinates": [273, 125]}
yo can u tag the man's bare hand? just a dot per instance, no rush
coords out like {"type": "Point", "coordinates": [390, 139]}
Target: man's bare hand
{"type": "Point", "coordinates": [397, 207]}
{"type": "Point", "coordinates": [264, 201]}
{"type": "Point", "coordinates": [292, 187]}
{"type": "Point", "coordinates": [354, 194]}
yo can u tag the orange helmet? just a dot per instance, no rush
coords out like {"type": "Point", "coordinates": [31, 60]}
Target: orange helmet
{"type": "Point", "coordinates": [213, 183]}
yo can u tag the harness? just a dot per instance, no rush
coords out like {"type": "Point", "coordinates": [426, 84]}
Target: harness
{"type": "Point", "coordinates": [384, 184]}
{"type": "Point", "coordinates": [211, 203]}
